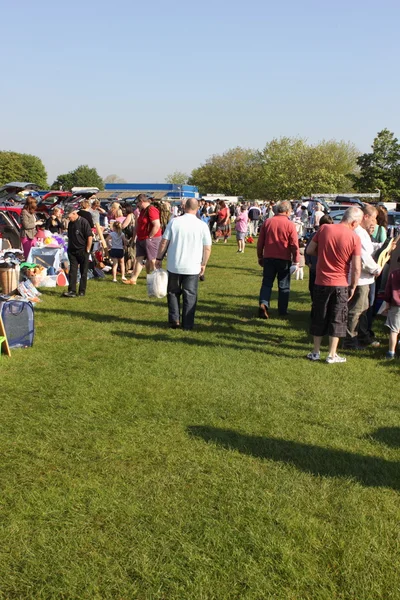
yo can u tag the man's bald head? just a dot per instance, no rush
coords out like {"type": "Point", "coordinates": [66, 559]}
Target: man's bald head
{"type": "Point", "coordinates": [191, 205]}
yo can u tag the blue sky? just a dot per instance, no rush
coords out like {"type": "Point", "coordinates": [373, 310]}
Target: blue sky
{"type": "Point", "coordinates": [144, 89]}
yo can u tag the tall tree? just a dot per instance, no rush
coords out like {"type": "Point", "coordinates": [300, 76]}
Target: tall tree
{"type": "Point", "coordinates": [292, 168]}
{"type": "Point", "coordinates": [114, 179]}
{"type": "Point", "coordinates": [35, 170]}
{"type": "Point", "coordinates": [11, 167]}
{"type": "Point", "coordinates": [177, 177]}
{"type": "Point", "coordinates": [22, 167]}
{"type": "Point", "coordinates": [380, 169]}
{"type": "Point", "coordinates": [82, 176]}
{"type": "Point", "coordinates": [237, 172]}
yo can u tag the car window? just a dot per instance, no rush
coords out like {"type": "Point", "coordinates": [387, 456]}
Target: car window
{"type": "Point", "coordinates": [15, 218]}
{"type": "Point", "coordinates": [3, 220]}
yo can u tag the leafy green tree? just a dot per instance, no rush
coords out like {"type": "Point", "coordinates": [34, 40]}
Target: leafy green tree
{"type": "Point", "coordinates": [22, 167]}
{"type": "Point", "coordinates": [292, 168]}
{"type": "Point", "coordinates": [236, 172]}
{"type": "Point", "coordinates": [285, 168]}
{"type": "Point", "coordinates": [11, 167]}
{"type": "Point", "coordinates": [35, 170]}
{"type": "Point", "coordinates": [82, 176]}
{"type": "Point", "coordinates": [177, 177]}
{"type": "Point", "coordinates": [380, 169]}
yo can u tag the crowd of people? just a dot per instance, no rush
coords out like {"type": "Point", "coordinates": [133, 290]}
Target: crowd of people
{"type": "Point", "coordinates": [341, 257]}
{"type": "Point", "coordinates": [342, 283]}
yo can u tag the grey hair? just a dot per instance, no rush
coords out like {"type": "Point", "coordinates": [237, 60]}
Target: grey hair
{"type": "Point", "coordinates": [354, 213]}
{"type": "Point", "coordinates": [284, 206]}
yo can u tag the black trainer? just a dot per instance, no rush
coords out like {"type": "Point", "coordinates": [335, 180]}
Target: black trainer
{"type": "Point", "coordinates": [68, 295]}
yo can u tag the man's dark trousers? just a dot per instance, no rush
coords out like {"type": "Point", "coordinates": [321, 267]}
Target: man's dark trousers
{"type": "Point", "coordinates": [276, 267]}
{"type": "Point", "coordinates": [78, 258]}
{"type": "Point", "coordinates": [187, 286]}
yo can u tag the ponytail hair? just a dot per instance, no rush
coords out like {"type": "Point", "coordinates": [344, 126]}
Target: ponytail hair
{"type": "Point", "coordinates": [117, 227]}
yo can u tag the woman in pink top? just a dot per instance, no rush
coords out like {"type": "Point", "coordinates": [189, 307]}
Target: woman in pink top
{"type": "Point", "coordinates": [241, 228]}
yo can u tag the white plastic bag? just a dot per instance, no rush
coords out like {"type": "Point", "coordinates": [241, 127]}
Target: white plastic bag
{"type": "Point", "coordinates": [157, 283]}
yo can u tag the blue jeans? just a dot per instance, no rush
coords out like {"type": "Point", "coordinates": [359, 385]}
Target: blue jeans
{"type": "Point", "coordinates": [185, 285]}
{"type": "Point", "coordinates": [276, 267]}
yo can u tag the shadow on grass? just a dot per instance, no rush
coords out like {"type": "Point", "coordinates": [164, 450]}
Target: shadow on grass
{"type": "Point", "coordinates": [367, 470]}
{"type": "Point", "coordinates": [190, 338]}
{"type": "Point", "coordinates": [390, 436]}
{"type": "Point", "coordinates": [227, 332]}
{"type": "Point", "coordinates": [296, 320]}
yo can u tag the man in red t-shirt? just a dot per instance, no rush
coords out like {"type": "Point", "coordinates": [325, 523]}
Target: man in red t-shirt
{"type": "Point", "coordinates": [148, 237]}
{"type": "Point", "coordinates": [277, 251]}
{"type": "Point", "coordinates": [337, 247]}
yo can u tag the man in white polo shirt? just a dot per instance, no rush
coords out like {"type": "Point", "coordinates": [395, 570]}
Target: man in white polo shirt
{"type": "Point", "coordinates": [358, 334]}
{"type": "Point", "coordinates": [188, 242]}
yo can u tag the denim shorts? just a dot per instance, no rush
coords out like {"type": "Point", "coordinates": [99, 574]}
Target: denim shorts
{"type": "Point", "coordinates": [329, 311]}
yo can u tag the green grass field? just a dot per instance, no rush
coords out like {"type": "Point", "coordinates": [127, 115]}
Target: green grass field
{"type": "Point", "coordinates": [139, 462]}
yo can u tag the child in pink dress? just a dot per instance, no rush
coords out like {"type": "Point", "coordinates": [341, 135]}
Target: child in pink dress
{"type": "Point", "coordinates": [241, 228]}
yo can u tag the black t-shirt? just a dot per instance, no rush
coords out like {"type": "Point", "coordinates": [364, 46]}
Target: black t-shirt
{"type": "Point", "coordinates": [57, 228]}
{"type": "Point", "coordinates": [86, 215]}
{"type": "Point", "coordinates": [254, 213]}
{"type": "Point", "coordinates": [78, 232]}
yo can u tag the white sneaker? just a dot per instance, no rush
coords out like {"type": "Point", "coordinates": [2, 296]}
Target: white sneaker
{"type": "Point", "coordinates": [313, 356]}
{"type": "Point", "coordinates": [335, 359]}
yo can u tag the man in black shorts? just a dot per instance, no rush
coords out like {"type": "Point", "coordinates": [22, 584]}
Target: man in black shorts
{"type": "Point", "coordinates": [337, 247]}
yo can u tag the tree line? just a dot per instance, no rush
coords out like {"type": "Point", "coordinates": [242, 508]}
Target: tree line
{"type": "Point", "coordinates": [285, 168]}
{"type": "Point", "coordinates": [291, 168]}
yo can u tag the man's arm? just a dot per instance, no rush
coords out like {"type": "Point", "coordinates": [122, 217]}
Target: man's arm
{"type": "Point", "coordinates": [204, 260]}
{"type": "Point", "coordinates": [312, 248]}
{"type": "Point", "coordinates": [155, 226]}
{"type": "Point", "coordinates": [367, 262]}
{"type": "Point", "coordinates": [355, 274]}
{"type": "Point", "coordinates": [294, 246]}
{"type": "Point", "coordinates": [260, 246]}
{"type": "Point", "coordinates": [162, 250]}
{"type": "Point", "coordinates": [89, 243]}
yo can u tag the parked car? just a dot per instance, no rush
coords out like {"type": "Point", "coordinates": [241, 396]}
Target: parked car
{"type": "Point", "coordinates": [51, 200]}
{"type": "Point", "coordinates": [9, 192]}
{"type": "Point", "coordinates": [337, 215]}
{"type": "Point", "coordinates": [394, 222]}
{"type": "Point", "coordinates": [10, 225]}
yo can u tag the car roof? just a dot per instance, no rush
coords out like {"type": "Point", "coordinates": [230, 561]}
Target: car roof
{"type": "Point", "coordinates": [16, 209]}
{"type": "Point", "coordinates": [18, 184]}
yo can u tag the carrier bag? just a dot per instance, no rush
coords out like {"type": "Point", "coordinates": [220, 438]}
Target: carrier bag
{"type": "Point", "coordinates": [157, 283]}
{"type": "Point", "coordinates": [18, 319]}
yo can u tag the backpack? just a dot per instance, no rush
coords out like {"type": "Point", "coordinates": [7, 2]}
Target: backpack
{"type": "Point", "coordinates": [164, 212]}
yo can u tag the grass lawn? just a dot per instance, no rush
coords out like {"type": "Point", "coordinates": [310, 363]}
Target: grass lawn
{"type": "Point", "coordinates": [143, 462]}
